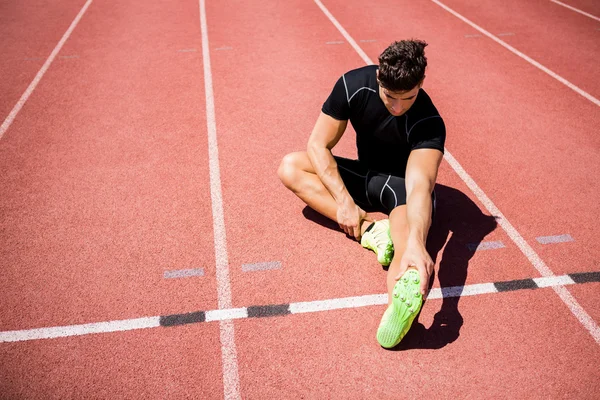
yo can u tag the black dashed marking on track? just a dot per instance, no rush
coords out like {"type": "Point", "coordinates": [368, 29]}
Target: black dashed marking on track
{"type": "Point", "coordinates": [275, 310]}
{"type": "Point", "coordinates": [585, 277]}
{"type": "Point", "coordinates": [518, 284]}
{"type": "Point", "coordinates": [182, 319]}
{"type": "Point", "coordinates": [268, 311]}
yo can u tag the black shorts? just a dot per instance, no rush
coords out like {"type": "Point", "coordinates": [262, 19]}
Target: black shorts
{"type": "Point", "coordinates": [371, 190]}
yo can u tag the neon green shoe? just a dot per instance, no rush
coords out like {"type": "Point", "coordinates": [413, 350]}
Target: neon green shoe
{"type": "Point", "coordinates": [379, 240]}
{"type": "Point", "coordinates": [399, 316]}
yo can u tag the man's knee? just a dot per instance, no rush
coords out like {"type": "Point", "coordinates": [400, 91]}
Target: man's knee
{"type": "Point", "coordinates": [289, 170]}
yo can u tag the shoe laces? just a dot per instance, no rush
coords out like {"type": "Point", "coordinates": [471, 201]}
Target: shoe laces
{"type": "Point", "coordinates": [381, 238]}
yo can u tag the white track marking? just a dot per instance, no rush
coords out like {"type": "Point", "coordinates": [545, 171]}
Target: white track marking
{"type": "Point", "coordinates": [13, 114]}
{"type": "Point", "coordinates": [78, 330]}
{"type": "Point", "coordinates": [345, 34]}
{"type": "Point", "coordinates": [222, 315]}
{"type": "Point", "coordinates": [183, 273]}
{"type": "Point", "coordinates": [576, 10]}
{"type": "Point", "coordinates": [227, 315]}
{"type": "Point", "coordinates": [486, 246]}
{"type": "Point", "coordinates": [261, 266]}
{"type": "Point", "coordinates": [470, 290]}
{"type": "Point", "coordinates": [336, 304]}
{"type": "Point", "coordinates": [231, 380]}
{"type": "Point", "coordinates": [555, 239]}
{"type": "Point", "coordinates": [553, 281]}
{"type": "Point", "coordinates": [527, 250]}
{"type": "Point", "coordinates": [518, 53]}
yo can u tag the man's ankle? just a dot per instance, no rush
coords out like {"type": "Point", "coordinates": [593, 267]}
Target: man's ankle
{"type": "Point", "coordinates": [366, 225]}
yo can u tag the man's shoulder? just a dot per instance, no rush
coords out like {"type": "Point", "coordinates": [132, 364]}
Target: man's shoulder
{"type": "Point", "coordinates": [424, 118]}
{"type": "Point", "coordinates": [424, 106]}
{"type": "Point", "coordinates": [361, 78]}
{"type": "Point", "coordinates": [367, 71]}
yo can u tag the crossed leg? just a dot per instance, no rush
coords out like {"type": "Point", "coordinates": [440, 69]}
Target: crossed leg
{"type": "Point", "coordinates": [298, 174]}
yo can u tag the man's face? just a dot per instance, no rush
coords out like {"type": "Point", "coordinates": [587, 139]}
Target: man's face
{"type": "Point", "coordinates": [398, 103]}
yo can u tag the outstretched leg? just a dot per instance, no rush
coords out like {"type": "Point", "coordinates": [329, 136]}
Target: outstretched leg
{"type": "Point", "coordinates": [404, 298]}
{"type": "Point", "coordinates": [399, 232]}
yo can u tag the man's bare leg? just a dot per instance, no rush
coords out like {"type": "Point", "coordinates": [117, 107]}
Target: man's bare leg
{"type": "Point", "coordinates": [401, 311]}
{"type": "Point", "coordinates": [297, 174]}
{"type": "Point", "coordinates": [399, 232]}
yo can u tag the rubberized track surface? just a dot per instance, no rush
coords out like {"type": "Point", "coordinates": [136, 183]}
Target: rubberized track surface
{"type": "Point", "coordinates": [112, 185]}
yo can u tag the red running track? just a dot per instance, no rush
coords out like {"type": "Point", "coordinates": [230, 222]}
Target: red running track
{"type": "Point", "coordinates": [29, 30]}
{"type": "Point", "coordinates": [105, 187]}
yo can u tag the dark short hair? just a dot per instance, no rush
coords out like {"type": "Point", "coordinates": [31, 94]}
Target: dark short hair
{"type": "Point", "coordinates": [402, 65]}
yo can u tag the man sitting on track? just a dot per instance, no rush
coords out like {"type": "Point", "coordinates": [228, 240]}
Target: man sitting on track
{"type": "Point", "coordinates": [400, 143]}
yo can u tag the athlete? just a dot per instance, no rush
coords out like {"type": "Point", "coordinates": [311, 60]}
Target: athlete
{"type": "Point", "coordinates": [400, 141]}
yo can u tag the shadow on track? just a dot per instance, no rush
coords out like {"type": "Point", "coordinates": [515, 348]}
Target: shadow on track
{"type": "Point", "coordinates": [463, 225]}
{"type": "Point", "coordinates": [458, 217]}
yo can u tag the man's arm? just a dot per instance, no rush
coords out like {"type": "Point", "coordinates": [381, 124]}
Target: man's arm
{"type": "Point", "coordinates": [421, 174]}
{"type": "Point", "coordinates": [325, 135]}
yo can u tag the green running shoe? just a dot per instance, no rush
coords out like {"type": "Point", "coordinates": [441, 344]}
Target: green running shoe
{"type": "Point", "coordinates": [399, 316]}
{"type": "Point", "coordinates": [379, 240]}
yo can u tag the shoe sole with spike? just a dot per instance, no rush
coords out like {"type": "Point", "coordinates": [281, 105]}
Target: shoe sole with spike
{"type": "Point", "coordinates": [399, 316]}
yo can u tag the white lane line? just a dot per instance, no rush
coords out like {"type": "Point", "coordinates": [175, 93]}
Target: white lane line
{"type": "Point", "coordinates": [337, 304]}
{"type": "Point", "coordinates": [221, 315]}
{"type": "Point", "coordinates": [461, 291]}
{"type": "Point", "coordinates": [345, 34]}
{"type": "Point", "coordinates": [226, 315]}
{"type": "Point", "coordinates": [78, 330]}
{"type": "Point", "coordinates": [526, 249]}
{"type": "Point", "coordinates": [554, 281]}
{"type": "Point", "coordinates": [531, 255]}
{"type": "Point", "coordinates": [576, 10]}
{"type": "Point", "coordinates": [523, 56]}
{"type": "Point", "coordinates": [13, 114]}
{"type": "Point", "coordinates": [231, 380]}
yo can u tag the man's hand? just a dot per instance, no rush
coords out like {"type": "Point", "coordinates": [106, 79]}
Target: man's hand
{"type": "Point", "coordinates": [350, 217]}
{"type": "Point", "coordinates": [416, 256]}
